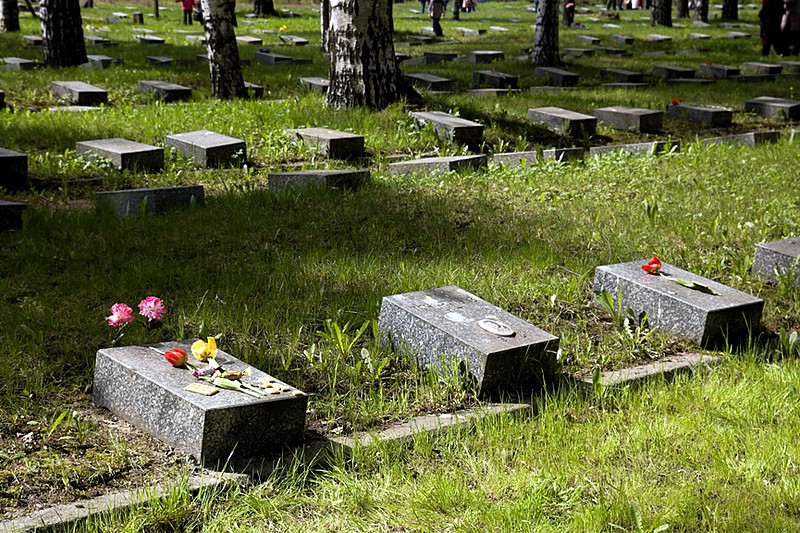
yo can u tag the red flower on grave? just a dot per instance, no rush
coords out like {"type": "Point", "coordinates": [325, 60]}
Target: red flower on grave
{"type": "Point", "coordinates": [709, 62]}
{"type": "Point", "coordinates": [653, 267]}
{"type": "Point", "coordinates": [176, 357]}
{"type": "Point", "coordinates": [677, 101]}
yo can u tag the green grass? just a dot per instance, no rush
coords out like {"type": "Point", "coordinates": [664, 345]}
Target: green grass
{"type": "Point", "coordinates": [275, 275]}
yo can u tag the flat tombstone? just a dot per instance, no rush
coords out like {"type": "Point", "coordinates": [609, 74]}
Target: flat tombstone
{"type": "Point", "coordinates": [210, 428]}
{"type": "Point", "coordinates": [623, 85]}
{"type": "Point", "coordinates": [738, 35]}
{"type": "Point", "coordinates": [712, 70]}
{"type": "Point", "coordinates": [210, 149]}
{"type": "Point", "coordinates": [99, 61]}
{"type": "Point", "coordinates": [268, 58]}
{"type": "Point", "coordinates": [557, 76]}
{"type": "Point", "coordinates": [705, 319]}
{"type": "Point", "coordinates": [626, 39]}
{"type": "Point", "coordinates": [516, 159]}
{"type": "Point", "coordinates": [613, 51]}
{"type": "Point", "coordinates": [254, 90]}
{"type": "Point", "coordinates": [335, 179]}
{"type": "Point", "coordinates": [497, 80]}
{"type": "Point", "coordinates": [777, 259]}
{"type": "Point", "coordinates": [452, 128]}
{"type": "Point", "coordinates": [124, 154]}
{"type": "Point", "coordinates": [317, 85]}
{"type": "Point", "coordinates": [11, 215]}
{"type": "Point", "coordinates": [331, 143]}
{"type": "Point", "coordinates": [148, 39]}
{"type": "Point", "coordinates": [564, 154]}
{"type": "Point", "coordinates": [715, 117]}
{"type": "Point", "coordinates": [294, 40]}
{"type": "Point", "coordinates": [485, 56]}
{"type": "Point", "coordinates": [431, 58]}
{"type": "Point", "coordinates": [631, 118]}
{"type": "Point", "coordinates": [199, 39]}
{"type": "Point", "coordinates": [79, 93]}
{"type": "Point", "coordinates": [577, 52]}
{"type": "Point", "coordinates": [755, 67]}
{"type": "Point", "coordinates": [654, 148]}
{"type": "Point", "coordinates": [247, 39]}
{"type": "Point", "coordinates": [161, 61]}
{"type": "Point", "coordinates": [755, 78]}
{"type": "Point", "coordinates": [17, 63]}
{"type": "Point", "coordinates": [2, 99]}
{"type": "Point", "coordinates": [447, 326]}
{"type": "Point", "coordinates": [14, 173]}
{"type": "Point", "coordinates": [770, 107]}
{"type": "Point", "coordinates": [622, 75]}
{"type": "Point", "coordinates": [33, 40]}
{"type": "Point", "coordinates": [439, 164]}
{"type": "Point", "coordinates": [168, 92]}
{"type": "Point", "coordinates": [749, 139]}
{"type": "Point", "coordinates": [587, 39]}
{"type": "Point", "coordinates": [491, 92]}
{"type": "Point", "coordinates": [429, 81]}
{"type": "Point", "coordinates": [96, 40]}
{"type": "Point", "coordinates": [132, 202]}
{"type": "Point", "coordinates": [791, 67]}
{"type": "Point", "coordinates": [138, 18]}
{"type": "Point", "coordinates": [671, 71]}
{"type": "Point", "coordinates": [701, 36]}
{"type": "Point", "coordinates": [657, 38]}
{"type": "Point", "coordinates": [564, 121]}
{"type": "Point", "coordinates": [688, 81]}
{"type": "Point", "coordinates": [501, 29]}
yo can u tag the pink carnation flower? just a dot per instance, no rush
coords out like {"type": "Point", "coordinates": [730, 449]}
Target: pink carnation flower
{"type": "Point", "coordinates": [120, 314]}
{"type": "Point", "coordinates": [152, 308]}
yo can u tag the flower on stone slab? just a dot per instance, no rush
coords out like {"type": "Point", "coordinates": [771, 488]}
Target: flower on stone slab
{"type": "Point", "coordinates": [653, 267]}
{"type": "Point", "coordinates": [176, 356]}
{"type": "Point", "coordinates": [677, 101]}
{"type": "Point", "coordinates": [121, 314]}
{"type": "Point", "coordinates": [203, 351]}
{"type": "Point", "coordinates": [152, 308]}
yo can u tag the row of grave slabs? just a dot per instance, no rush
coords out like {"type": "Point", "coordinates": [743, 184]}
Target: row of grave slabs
{"type": "Point", "coordinates": [500, 351]}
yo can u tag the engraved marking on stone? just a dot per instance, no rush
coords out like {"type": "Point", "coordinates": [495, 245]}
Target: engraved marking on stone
{"type": "Point", "coordinates": [496, 327]}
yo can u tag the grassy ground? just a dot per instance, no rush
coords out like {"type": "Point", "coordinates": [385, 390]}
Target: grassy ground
{"type": "Point", "coordinates": [275, 275]}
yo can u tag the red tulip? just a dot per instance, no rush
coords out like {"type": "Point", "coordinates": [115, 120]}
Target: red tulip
{"type": "Point", "coordinates": [677, 101]}
{"type": "Point", "coordinates": [176, 357]}
{"type": "Point", "coordinates": [653, 267]}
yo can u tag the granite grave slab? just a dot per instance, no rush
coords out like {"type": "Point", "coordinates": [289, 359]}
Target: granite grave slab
{"type": "Point", "coordinates": [79, 93]}
{"type": "Point", "coordinates": [165, 91]}
{"type": "Point", "coordinates": [34, 41]}
{"type": "Point", "coordinates": [771, 107]}
{"type": "Point", "coordinates": [429, 81]}
{"type": "Point", "coordinates": [557, 76]}
{"type": "Point", "coordinates": [688, 81]}
{"type": "Point", "coordinates": [133, 202]}
{"type": "Point", "coordinates": [294, 40]}
{"type": "Point", "coordinates": [210, 428]}
{"type": "Point", "coordinates": [14, 173]}
{"type": "Point", "coordinates": [254, 90]}
{"type": "Point", "coordinates": [209, 149]}
{"type": "Point", "coordinates": [447, 325]}
{"type": "Point", "coordinates": [706, 319]}
{"type": "Point", "coordinates": [658, 38]}
{"type": "Point", "coordinates": [588, 39]}
{"type": "Point", "coordinates": [495, 79]}
{"type": "Point", "coordinates": [622, 75]}
{"type": "Point", "coordinates": [757, 67]}
{"type": "Point", "coordinates": [749, 139]}
{"type": "Point", "coordinates": [564, 121]}
{"type": "Point", "coordinates": [715, 117]}
{"type": "Point", "coordinates": [577, 52]}
{"type": "Point", "coordinates": [124, 154]}
{"type": "Point", "coordinates": [334, 179]}
{"type": "Point", "coordinates": [631, 118]}
{"type": "Point", "coordinates": [432, 58]}
{"type": "Point", "coordinates": [315, 84]}
{"type": "Point", "coordinates": [712, 70]}
{"type": "Point", "coordinates": [671, 71]}
{"type": "Point", "coordinates": [161, 61]}
{"type": "Point", "coordinates": [11, 214]}
{"type": "Point", "coordinates": [624, 85]}
{"type": "Point", "coordinates": [777, 259]}
{"type": "Point", "coordinates": [247, 39]}
{"type": "Point", "coordinates": [2, 99]}
{"type": "Point", "coordinates": [331, 143]}
{"type": "Point", "coordinates": [790, 67]}
{"type": "Point", "coordinates": [625, 39]}
{"type": "Point", "coordinates": [148, 39]}
{"type": "Point", "coordinates": [18, 63]}
{"type": "Point", "coordinates": [701, 36]}
{"type": "Point", "coordinates": [491, 92]}
{"type": "Point", "coordinates": [451, 128]}
{"type": "Point", "coordinates": [485, 56]}
{"type": "Point", "coordinates": [655, 148]}
{"type": "Point", "coordinates": [428, 165]}
{"type": "Point", "coordinates": [96, 40]}
{"type": "Point", "coordinates": [268, 58]}
{"type": "Point", "coordinates": [99, 61]}
{"type": "Point", "coordinates": [738, 35]}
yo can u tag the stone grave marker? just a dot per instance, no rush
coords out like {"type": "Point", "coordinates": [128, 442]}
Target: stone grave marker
{"type": "Point", "coordinates": [34, 41]}
{"type": "Point", "coordinates": [790, 67]}
{"type": "Point", "coordinates": [577, 52]}
{"type": "Point", "coordinates": [294, 40]}
{"type": "Point", "coordinates": [494, 79]}
{"type": "Point", "coordinates": [138, 18]}
{"type": "Point", "coordinates": [17, 63]}
{"type": "Point", "coordinates": [247, 39]}
{"type": "Point", "coordinates": [268, 58]}
{"type": "Point", "coordinates": [658, 38]}
{"type": "Point", "coordinates": [74, 109]}
{"type": "Point", "coordinates": [498, 29]}
{"type": "Point", "coordinates": [623, 85]}
{"type": "Point", "coordinates": [210, 428]}
{"type": "Point", "coordinates": [557, 76]}
{"type": "Point", "coordinates": [448, 325]}
{"type": "Point", "coordinates": [432, 58]}
{"type": "Point", "coordinates": [427, 165]}
{"type": "Point", "coordinates": [165, 91]}
{"type": "Point", "coordinates": [254, 90]}
{"type": "Point", "coordinates": [688, 81]}
{"type": "Point", "coordinates": [748, 139]}
{"type": "Point", "coordinates": [754, 78]}
{"type": "Point", "coordinates": [14, 174]}
{"type": "Point", "coordinates": [133, 202]}
{"type": "Point", "coordinates": [738, 35]}
{"type": "Point", "coordinates": [564, 121]}
{"type": "Point", "coordinates": [706, 319]}
{"type": "Point", "coordinates": [451, 128]}
{"type": "Point", "coordinates": [655, 148]}
{"type": "Point", "coordinates": [613, 51]}
{"type": "Point", "coordinates": [124, 154]}
{"type": "Point", "coordinates": [79, 93]}
{"type": "Point", "coordinates": [331, 143]}
{"type": "Point", "coordinates": [715, 117]}
{"type": "Point", "coordinates": [671, 72]}
{"type": "Point", "coordinates": [587, 39]}
{"type": "Point", "coordinates": [11, 214]}
{"type": "Point", "coordinates": [148, 39]}
{"type": "Point", "coordinates": [429, 81]}
{"type": "Point", "coordinates": [516, 159]}
{"type": "Point", "coordinates": [469, 32]}
{"type": "Point", "coordinates": [99, 61]}
{"type": "Point", "coordinates": [755, 67]}
{"type": "Point", "coordinates": [209, 149]}
{"type": "Point", "coordinates": [622, 75]}
{"type": "Point", "coordinates": [625, 39]}
{"type": "Point", "coordinates": [96, 40]}
{"type": "Point", "coordinates": [777, 259]}
{"type": "Point", "coordinates": [161, 61]}
{"type": "Point", "coordinates": [612, 26]}
{"type": "Point", "coordinates": [631, 118]}
{"type": "Point", "coordinates": [334, 179]}
{"type": "Point", "coordinates": [112, 20]}
{"type": "Point", "coordinates": [142, 30]}
{"type": "Point", "coordinates": [700, 24]}
{"type": "Point", "coordinates": [770, 107]}
{"type": "Point", "coordinates": [701, 36]}
{"type": "Point", "coordinates": [318, 85]}
{"type": "Point", "coordinates": [491, 92]}
{"type": "Point", "coordinates": [198, 39]}
{"type": "Point", "coordinates": [712, 70]}
{"type": "Point", "coordinates": [484, 56]}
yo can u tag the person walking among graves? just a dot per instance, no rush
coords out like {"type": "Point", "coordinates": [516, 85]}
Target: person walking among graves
{"type": "Point", "coordinates": [790, 27]}
{"type": "Point", "coordinates": [188, 7]}
{"type": "Point", "coordinates": [423, 6]}
{"type": "Point", "coordinates": [569, 13]}
{"type": "Point", "coordinates": [770, 26]}
{"type": "Point", "coordinates": [435, 11]}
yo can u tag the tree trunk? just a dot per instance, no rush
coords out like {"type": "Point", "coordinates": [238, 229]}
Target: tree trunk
{"type": "Point", "coordinates": [683, 9]}
{"type": "Point", "coordinates": [662, 13]}
{"type": "Point", "coordinates": [264, 8]}
{"type": "Point", "coordinates": [223, 52]}
{"type": "Point", "coordinates": [730, 10]}
{"type": "Point", "coordinates": [363, 69]}
{"type": "Point", "coordinates": [701, 10]}
{"type": "Point", "coordinates": [62, 33]}
{"type": "Point", "coordinates": [9, 16]}
{"type": "Point", "coordinates": [325, 24]}
{"type": "Point", "coordinates": [545, 40]}
{"type": "Point", "coordinates": [156, 10]}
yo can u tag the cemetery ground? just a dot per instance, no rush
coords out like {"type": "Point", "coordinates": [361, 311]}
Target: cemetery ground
{"type": "Point", "coordinates": [291, 282]}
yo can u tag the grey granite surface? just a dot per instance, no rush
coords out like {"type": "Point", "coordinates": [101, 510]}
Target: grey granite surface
{"type": "Point", "coordinates": [655, 147]}
{"type": "Point", "coordinates": [672, 71]}
{"type": "Point", "coordinates": [124, 154]}
{"type": "Point", "coordinates": [11, 215]}
{"type": "Point", "coordinates": [557, 76]}
{"type": "Point", "coordinates": [13, 170]}
{"type": "Point", "coordinates": [131, 202]}
{"type": "Point", "coordinates": [166, 91]}
{"type": "Point", "coordinates": [715, 117]}
{"type": "Point", "coordinates": [439, 164]}
{"type": "Point", "coordinates": [771, 107]}
{"type": "Point", "coordinates": [451, 128]}
{"type": "Point", "coordinates": [331, 143]}
{"type": "Point", "coordinates": [750, 139]}
{"type": "Point", "coordinates": [564, 121]}
{"type": "Point", "coordinates": [339, 179]}
{"type": "Point", "coordinates": [631, 118]}
{"type": "Point", "coordinates": [777, 258]}
{"type": "Point", "coordinates": [209, 149]}
{"type": "Point", "coordinates": [79, 93]}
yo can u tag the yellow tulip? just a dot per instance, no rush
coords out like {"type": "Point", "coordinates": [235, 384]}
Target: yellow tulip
{"type": "Point", "coordinates": [205, 351]}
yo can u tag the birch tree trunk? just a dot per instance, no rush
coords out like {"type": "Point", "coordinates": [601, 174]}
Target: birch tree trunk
{"type": "Point", "coordinates": [363, 69]}
{"type": "Point", "coordinates": [325, 24]}
{"type": "Point", "coordinates": [223, 52]}
{"type": "Point", "coordinates": [545, 40]}
{"type": "Point", "coordinates": [662, 13]}
{"type": "Point", "coordinates": [9, 16]}
{"type": "Point", "coordinates": [62, 33]}
{"type": "Point", "coordinates": [701, 10]}
{"type": "Point", "coordinates": [730, 10]}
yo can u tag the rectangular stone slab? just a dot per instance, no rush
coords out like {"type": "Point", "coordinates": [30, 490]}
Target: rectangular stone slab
{"type": "Point", "coordinates": [209, 149]}
{"type": "Point", "coordinates": [516, 159]}
{"type": "Point", "coordinates": [498, 80]}
{"type": "Point", "coordinates": [485, 56]}
{"type": "Point", "coordinates": [626, 39]}
{"type": "Point", "coordinates": [655, 147]}
{"type": "Point", "coordinates": [756, 67]}
{"type": "Point", "coordinates": [429, 81]}
{"type": "Point", "coordinates": [624, 85]}
{"type": "Point", "coordinates": [124, 154]}
{"type": "Point", "coordinates": [777, 258]}
{"type": "Point", "coordinates": [715, 117]}
{"type": "Point", "coordinates": [631, 118]}
{"type": "Point", "coordinates": [738, 35]}
{"type": "Point", "coordinates": [658, 38]}
{"type": "Point", "coordinates": [440, 327]}
{"type": "Point", "coordinates": [294, 40]}
{"type": "Point", "coordinates": [790, 67]}
{"type": "Point", "coordinates": [11, 215]}
{"type": "Point", "coordinates": [33, 40]}
{"type": "Point", "coordinates": [712, 70]}
{"type": "Point", "coordinates": [99, 61]}
{"type": "Point", "coordinates": [622, 75]}
{"type": "Point", "coordinates": [132, 202]}
{"type": "Point", "coordinates": [706, 319]}
{"type": "Point", "coordinates": [671, 71]}
{"type": "Point", "coordinates": [318, 85]}
{"type": "Point", "coordinates": [17, 63]}
{"type": "Point", "coordinates": [165, 91]}
{"type": "Point", "coordinates": [13, 170]}
{"type": "Point", "coordinates": [137, 384]}
{"type": "Point", "coordinates": [577, 52]}
{"type": "Point", "coordinates": [452, 128]}
{"type": "Point", "coordinates": [79, 93]}
{"type": "Point", "coordinates": [96, 40]}
{"type": "Point", "coordinates": [331, 143]}
{"type": "Point", "coordinates": [557, 76]}
{"type": "Point", "coordinates": [431, 58]}
{"type": "Point", "coordinates": [2, 99]}
{"type": "Point", "coordinates": [336, 179]}
{"type": "Point", "coordinates": [148, 39]}
{"type": "Point", "coordinates": [750, 139]}
{"type": "Point", "coordinates": [564, 121]}
{"type": "Point", "coordinates": [246, 39]}
{"type": "Point", "coordinates": [770, 107]}
{"type": "Point", "coordinates": [439, 164]}
{"type": "Point", "coordinates": [587, 39]}
{"type": "Point", "coordinates": [266, 58]}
